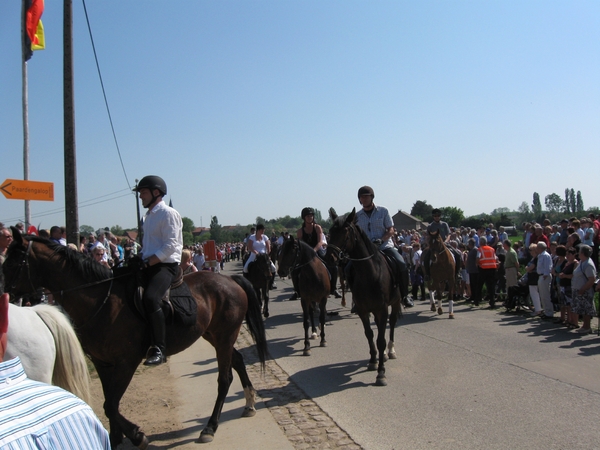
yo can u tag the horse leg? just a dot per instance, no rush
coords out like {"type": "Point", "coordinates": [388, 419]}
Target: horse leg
{"type": "Point", "coordinates": [224, 349]}
{"type": "Point", "coordinates": [306, 311]}
{"type": "Point", "coordinates": [451, 301]}
{"type": "Point", "coordinates": [115, 380]}
{"type": "Point", "coordinates": [322, 313]}
{"type": "Point", "coordinates": [311, 313]}
{"type": "Point", "coordinates": [432, 293]}
{"type": "Point", "coordinates": [266, 302]}
{"type": "Point", "coordinates": [237, 362]}
{"type": "Point", "coordinates": [392, 320]}
{"type": "Point", "coordinates": [381, 322]}
{"type": "Point", "coordinates": [439, 294]}
{"type": "Point", "coordinates": [369, 334]}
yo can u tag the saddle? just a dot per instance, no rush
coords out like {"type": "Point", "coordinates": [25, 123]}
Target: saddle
{"type": "Point", "coordinates": [178, 305]}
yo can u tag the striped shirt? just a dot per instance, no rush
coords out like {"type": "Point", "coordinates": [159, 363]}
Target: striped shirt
{"type": "Point", "coordinates": [36, 415]}
{"type": "Point", "coordinates": [376, 225]}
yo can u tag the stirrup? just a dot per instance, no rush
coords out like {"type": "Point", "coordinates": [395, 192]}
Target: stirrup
{"type": "Point", "coordinates": [155, 356]}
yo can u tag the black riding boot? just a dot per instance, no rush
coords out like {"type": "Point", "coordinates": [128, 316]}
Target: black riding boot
{"type": "Point", "coordinates": [156, 353]}
{"type": "Point", "coordinates": [272, 285]}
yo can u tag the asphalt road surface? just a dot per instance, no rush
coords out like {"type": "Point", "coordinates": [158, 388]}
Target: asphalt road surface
{"type": "Point", "coordinates": [487, 379]}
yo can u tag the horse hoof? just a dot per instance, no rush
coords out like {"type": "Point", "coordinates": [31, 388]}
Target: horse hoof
{"type": "Point", "coordinates": [392, 355]}
{"type": "Point", "coordinates": [381, 381]}
{"type": "Point", "coordinates": [314, 336]}
{"type": "Point", "coordinates": [372, 366]}
{"type": "Point", "coordinates": [451, 316]}
{"type": "Point", "coordinates": [205, 438]}
{"type": "Point", "coordinates": [385, 357]}
{"type": "Point", "coordinates": [144, 444]}
{"type": "Point", "coordinates": [266, 315]}
{"type": "Point", "coordinates": [249, 412]}
{"type": "Point", "coordinates": [306, 353]}
{"type": "Point", "coordinates": [433, 307]}
{"type": "Point", "coordinates": [344, 302]}
{"type": "Point", "coordinates": [323, 344]}
{"type": "Point", "coordinates": [440, 311]}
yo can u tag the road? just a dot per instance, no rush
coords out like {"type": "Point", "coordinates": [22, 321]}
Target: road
{"type": "Point", "coordinates": [488, 379]}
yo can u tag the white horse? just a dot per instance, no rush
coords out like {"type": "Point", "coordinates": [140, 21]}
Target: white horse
{"type": "Point", "coordinates": [44, 339]}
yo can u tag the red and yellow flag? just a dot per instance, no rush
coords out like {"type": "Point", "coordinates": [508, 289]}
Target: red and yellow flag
{"type": "Point", "coordinates": [33, 30]}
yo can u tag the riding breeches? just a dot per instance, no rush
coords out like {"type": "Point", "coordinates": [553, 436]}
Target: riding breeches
{"type": "Point", "coordinates": [159, 278]}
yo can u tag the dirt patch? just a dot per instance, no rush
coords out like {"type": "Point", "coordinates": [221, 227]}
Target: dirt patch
{"type": "Point", "coordinates": [150, 401]}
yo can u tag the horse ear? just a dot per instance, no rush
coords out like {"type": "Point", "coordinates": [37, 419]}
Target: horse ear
{"type": "Point", "coordinates": [352, 216]}
{"type": "Point", "coordinates": [16, 235]}
{"type": "Point", "coordinates": [332, 214]}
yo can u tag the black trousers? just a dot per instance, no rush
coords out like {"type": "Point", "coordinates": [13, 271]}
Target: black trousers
{"type": "Point", "coordinates": [158, 279]}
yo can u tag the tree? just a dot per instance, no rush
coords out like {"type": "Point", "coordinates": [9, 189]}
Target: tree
{"type": "Point", "coordinates": [536, 206]}
{"type": "Point", "coordinates": [421, 209]}
{"type": "Point", "coordinates": [572, 201]}
{"type": "Point", "coordinates": [454, 216]}
{"type": "Point", "coordinates": [260, 220]}
{"type": "Point", "coordinates": [117, 230]}
{"type": "Point", "coordinates": [499, 211]}
{"type": "Point", "coordinates": [215, 229]}
{"type": "Point", "coordinates": [554, 203]}
{"type": "Point", "coordinates": [567, 204]}
{"type": "Point", "coordinates": [524, 212]}
{"type": "Point", "coordinates": [579, 203]}
{"type": "Point", "coordinates": [188, 224]}
{"type": "Point", "coordinates": [85, 230]}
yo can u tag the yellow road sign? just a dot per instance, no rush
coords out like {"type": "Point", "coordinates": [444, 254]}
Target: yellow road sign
{"type": "Point", "coordinates": [28, 190]}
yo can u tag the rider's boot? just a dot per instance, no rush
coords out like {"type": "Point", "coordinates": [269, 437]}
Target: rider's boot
{"type": "Point", "coordinates": [156, 354]}
{"type": "Point", "coordinates": [272, 285]}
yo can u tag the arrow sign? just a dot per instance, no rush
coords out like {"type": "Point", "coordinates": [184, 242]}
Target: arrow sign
{"type": "Point", "coordinates": [28, 190]}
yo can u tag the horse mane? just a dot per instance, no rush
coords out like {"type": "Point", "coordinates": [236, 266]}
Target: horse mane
{"type": "Point", "coordinates": [306, 251]}
{"type": "Point", "coordinates": [339, 223]}
{"type": "Point", "coordinates": [77, 261]}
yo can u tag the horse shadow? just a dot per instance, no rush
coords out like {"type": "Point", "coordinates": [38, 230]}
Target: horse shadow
{"type": "Point", "coordinates": [339, 376]}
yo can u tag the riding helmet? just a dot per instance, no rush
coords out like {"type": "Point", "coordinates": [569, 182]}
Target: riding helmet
{"type": "Point", "coordinates": [436, 212]}
{"type": "Point", "coordinates": [366, 190]}
{"type": "Point", "coordinates": [152, 182]}
{"type": "Point", "coordinates": [307, 211]}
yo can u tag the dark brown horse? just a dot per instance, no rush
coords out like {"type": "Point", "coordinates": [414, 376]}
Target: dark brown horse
{"type": "Point", "coordinates": [259, 274]}
{"type": "Point", "coordinates": [371, 282]}
{"type": "Point", "coordinates": [313, 283]}
{"type": "Point", "coordinates": [441, 273]}
{"type": "Point", "coordinates": [115, 336]}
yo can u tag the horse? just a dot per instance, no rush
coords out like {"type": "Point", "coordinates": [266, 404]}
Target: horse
{"type": "Point", "coordinates": [259, 274]}
{"type": "Point", "coordinates": [313, 283]}
{"type": "Point", "coordinates": [372, 284]}
{"type": "Point", "coordinates": [115, 335]}
{"type": "Point", "coordinates": [44, 339]}
{"type": "Point", "coordinates": [442, 271]}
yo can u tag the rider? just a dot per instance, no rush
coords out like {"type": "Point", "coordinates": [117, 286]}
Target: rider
{"type": "Point", "coordinates": [377, 223]}
{"type": "Point", "coordinates": [312, 233]}
{"type": "Point", "coordinates": [161, 253]}
{"type": "Point", "coordinates": [259, 243]}
{"type": "Point", "coordinates": [441, 227]}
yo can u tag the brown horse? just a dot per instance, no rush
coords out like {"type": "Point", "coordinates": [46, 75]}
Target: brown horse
{"type": "Point", "coordinates": [259, 274]}
{"type": "Point", "coordinates": [441, 273]}
{"type": "Point", "coordinates": [313, 283]}
{"type": "Point", "coordinates": [371, 282]}
{"type": "Point", "coordinates": [115, 336]}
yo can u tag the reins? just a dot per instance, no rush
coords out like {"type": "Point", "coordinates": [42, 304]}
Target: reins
{"type": "Point", "coordinates": [345, 255]}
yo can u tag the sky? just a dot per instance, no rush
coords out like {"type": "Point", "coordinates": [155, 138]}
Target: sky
{"type": "Point", "coordinates": [260, 108]}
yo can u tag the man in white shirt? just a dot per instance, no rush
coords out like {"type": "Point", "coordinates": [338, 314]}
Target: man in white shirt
{"type": "Point", "coordinates": [161, 252]}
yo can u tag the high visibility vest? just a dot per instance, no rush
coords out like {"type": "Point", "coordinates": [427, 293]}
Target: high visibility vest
{"type": "Point", "coordinates": [487, 260]}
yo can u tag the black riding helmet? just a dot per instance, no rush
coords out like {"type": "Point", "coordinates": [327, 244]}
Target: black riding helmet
{"type": "Point", "coordinates": [152, 182]}
{"type": "Point", "coordinates": [366, 190]}
{"type": "Point", "coordinates": [307, 211]}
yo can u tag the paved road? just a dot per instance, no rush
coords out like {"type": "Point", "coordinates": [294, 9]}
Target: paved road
{"type": "Point", "coordinates": [487, 379]}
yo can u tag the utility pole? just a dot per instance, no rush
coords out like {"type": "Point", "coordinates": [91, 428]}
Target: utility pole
{"type": "Point", "coordinates": [71, 211]}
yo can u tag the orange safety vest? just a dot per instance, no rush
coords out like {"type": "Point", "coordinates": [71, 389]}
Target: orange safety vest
{"type": "Point", "coordinates": [487, 260]}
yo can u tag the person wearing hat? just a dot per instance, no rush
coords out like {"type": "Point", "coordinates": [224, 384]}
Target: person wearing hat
{"type": "Point", "coordinates": [377, 223]}
{"type": "Point", "coordinates": [162, 245]}
{"type": "Point", "coordinates": [437, 226]}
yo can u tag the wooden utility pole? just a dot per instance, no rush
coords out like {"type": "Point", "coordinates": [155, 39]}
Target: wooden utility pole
{"type": "Point", "coordinates": [71, 211]}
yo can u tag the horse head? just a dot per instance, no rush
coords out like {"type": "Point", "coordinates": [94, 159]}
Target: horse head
{"type": "Point", "coordinates": [287, 256]}
{"type": "Point", "coordinates": [342, 234]}
{"type": "Point", "coordinates": [16, 268]}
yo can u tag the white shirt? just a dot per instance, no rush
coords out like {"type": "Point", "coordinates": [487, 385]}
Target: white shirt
{"type": "Point", "coordinates": [163, 234]}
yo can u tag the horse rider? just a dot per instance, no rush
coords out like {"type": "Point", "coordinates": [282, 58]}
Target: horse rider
{"type": "Point", "coordinates": [259, 243]}
{"type": "Point", "coordinates": [441, 227]}
{"type": "Point", "coordinates": [161, 254]}
{"type": "Point", "coordinates": [312, 233]}
{"type": "Point", "coordinates": [377, 223]}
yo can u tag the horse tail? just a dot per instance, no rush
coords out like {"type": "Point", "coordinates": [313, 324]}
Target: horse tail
{"type": "Point", "coordinates": [254, 320]}
{"type": "Point", "coordinates": [70, 366]}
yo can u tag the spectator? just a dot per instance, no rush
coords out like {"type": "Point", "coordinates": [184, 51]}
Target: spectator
{"type": "Point", "coordinates": [544, 270]}
{"type": "Point", "coordinates": [199, 259]}
{"type": "Point", "coordinates": [99, 255]}
{"type": "Point", "coordinates": [5, 240]}
{"type": "Point", "coordinates": [559, 266]}
{"type": "Point", "coordinates": [56, 235]}
{"type": "Point", "coordinates": [186, 263]}
{"type": "Point", "coordinates": [473, 271]}
{"type": "Point", "coordinates": [417, 272]}
{"type": "Point", "coordinates": [511, 269]}
{"type": "Point", "coordinates": [487, 262]}
{"type": "Point", "coordinates": [532, 281]}
{"type": "Point", "coordinates": [582, 285]}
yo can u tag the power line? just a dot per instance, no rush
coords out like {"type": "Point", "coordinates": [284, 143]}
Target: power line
{"type": "Point", "coordinates": [104, 93]}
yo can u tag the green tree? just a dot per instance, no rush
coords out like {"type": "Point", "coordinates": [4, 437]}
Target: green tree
{"type": "Point", "coordinates": [85, 230]}
{"type": "Point", "coordinates": [524, 212]}
{"type": "Point", "coordinates": [117, 230]}
{"type": "Point", "coordinates": [188, 224]}
{"type": "Point", "coordinates": [215, 229]}
{"type": "Point", "coordinates": [567, 203]}
{"type": "Point", "coordinates": [454, 216]}
{"type": "Point", "coordinates": [260, 220]}
{"type": "Point", "coordinates": [579, 203]}
{"type": "Point", "coordinates": [554, 203]}
{"type": "Point", "coordinates": [499, 211]}
{"type": "Point", "coordinates": [188, 238]}
{"type": "Point", "coordinates": [536, 206]}
{"type": "Point", "coordinates": [572, 200]}
{"type": "Point", "coordinates": [422, 210]}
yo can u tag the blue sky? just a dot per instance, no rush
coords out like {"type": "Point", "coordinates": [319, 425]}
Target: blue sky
{"type": "Point", "coordinates": [259, 108]}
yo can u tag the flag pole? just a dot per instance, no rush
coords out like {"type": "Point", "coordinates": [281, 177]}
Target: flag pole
{"type": "Point", "coordinates": [25, 116]}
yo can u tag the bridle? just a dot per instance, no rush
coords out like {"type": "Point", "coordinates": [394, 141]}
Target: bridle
{"type": "Point", "coordinates": [341, 254]}
{"type": "Point", "coordinates": [23, 264]}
